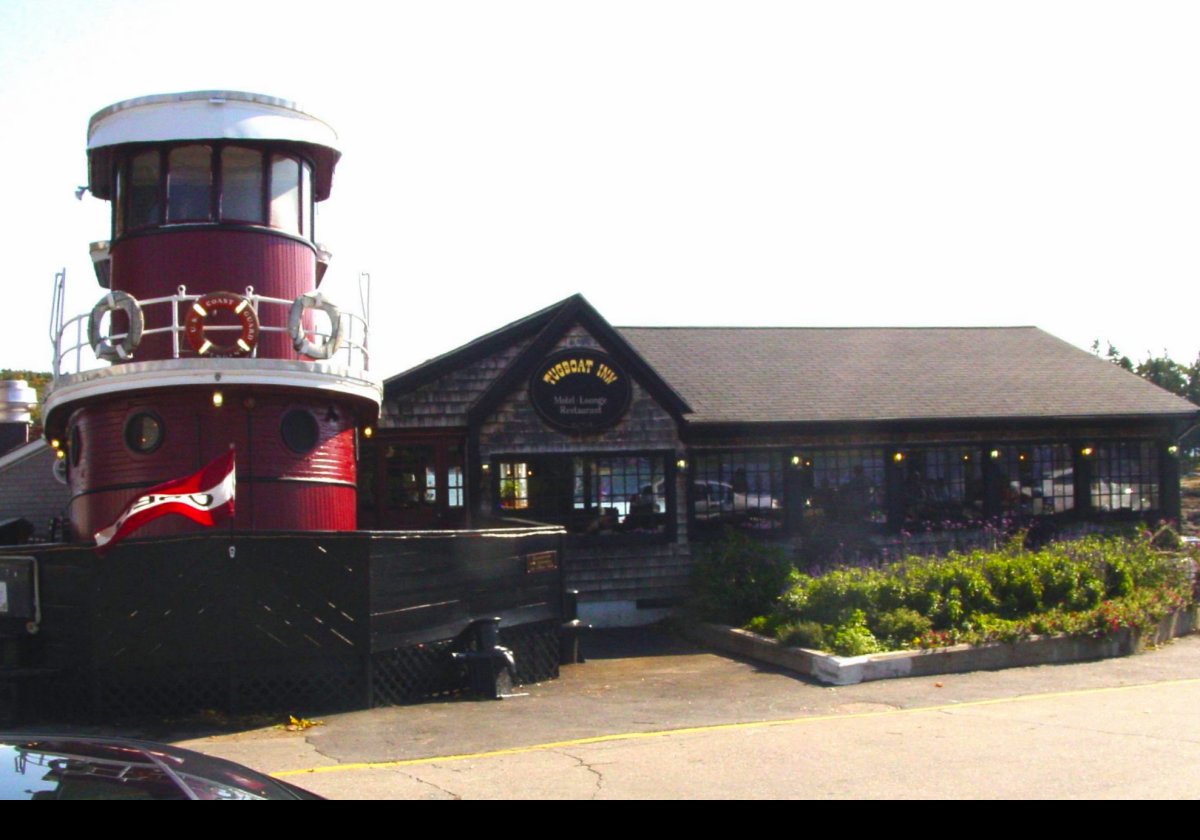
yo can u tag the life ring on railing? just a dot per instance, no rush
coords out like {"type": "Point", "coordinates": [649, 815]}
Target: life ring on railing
{"type": "Point", "coordinates": [329, 347]}
{"type": "Point", "coordinates": [236, 305]}
{"type": "Point", "coordinates": [103, 345]}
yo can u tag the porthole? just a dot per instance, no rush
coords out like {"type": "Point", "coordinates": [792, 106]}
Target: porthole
{"type": "Point", "coordinates": [144, 432]}
{"type": "Point", "coordinates": [76, 446]}
{"type": "Point", "coordinates": [300, 430]}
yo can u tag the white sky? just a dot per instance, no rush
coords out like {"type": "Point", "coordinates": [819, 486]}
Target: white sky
{"type": "Point", "coordinates": [834, 163]}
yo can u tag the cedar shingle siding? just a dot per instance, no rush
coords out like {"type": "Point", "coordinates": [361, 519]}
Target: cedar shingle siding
{"type": "Point", "coordinates": [29, 489]}
{"type": "Point", "coordinates": [444, 402]}
{"type": "Point", "coordinates": [516, 427]}
{"type": "Point", "coordinates": [777, 392]}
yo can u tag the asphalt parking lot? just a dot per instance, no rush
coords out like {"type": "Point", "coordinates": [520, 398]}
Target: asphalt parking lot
{"type": "Point", "coordinates": [650, 715]}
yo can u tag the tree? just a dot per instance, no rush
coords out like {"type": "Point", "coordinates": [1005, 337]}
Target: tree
{"type": "Point", "coordinates": [1165, 373]}
{"type": "Point", "coordinates": [1162, 370]}
{"type": "Point", "coordinates": [1114, 356]}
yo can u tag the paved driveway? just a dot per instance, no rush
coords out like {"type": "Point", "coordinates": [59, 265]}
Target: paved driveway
{"type": "Point", "coordinates": [652, 716]}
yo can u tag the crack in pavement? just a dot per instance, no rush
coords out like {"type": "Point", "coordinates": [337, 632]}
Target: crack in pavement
{"type": "Point", "coordinates": [436, 787]}
{"type": "Point", "coordinates": [319, 751]}
{"type": "Point", "coordinates": [591, 769]}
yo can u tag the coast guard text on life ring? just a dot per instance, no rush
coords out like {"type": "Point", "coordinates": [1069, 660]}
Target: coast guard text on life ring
{"type": "Point", "coordinates": [197, 320]}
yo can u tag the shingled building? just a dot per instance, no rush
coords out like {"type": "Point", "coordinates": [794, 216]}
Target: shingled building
{"type": "Point", "coordinates": [647, 441]}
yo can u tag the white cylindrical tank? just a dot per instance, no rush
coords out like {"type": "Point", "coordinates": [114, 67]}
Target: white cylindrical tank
{"type": "Point", "coordinates": [17, 399]}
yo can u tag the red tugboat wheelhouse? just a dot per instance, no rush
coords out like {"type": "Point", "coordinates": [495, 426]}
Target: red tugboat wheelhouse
{"type": "Point", "coordinates": [216, 383]}
{"type": "Point", "coordinates": [208, 316]}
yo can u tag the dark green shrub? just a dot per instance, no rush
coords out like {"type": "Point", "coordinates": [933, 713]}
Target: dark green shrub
{"type": "Point", "coordinates": [805, 634]}
{"type": "Point", "coordinates": [1016, 585]}
{"type": "Point", "coordinates": [835, 596]}
{"type": "Point", "coordinates": [1089, 586]}
{"type": "Point", "coordinates": [764, 625]}
{"type": "Point", "coordinates": [1118, 577]}
{"type": "Point", "coordinates": [946, 590]}
{"type": "Point", "coordinates": [853, 637]}
{"type": "Point", "coordinates": [738, 578]}
{"type": "Point", "coordinates": [900, 628]}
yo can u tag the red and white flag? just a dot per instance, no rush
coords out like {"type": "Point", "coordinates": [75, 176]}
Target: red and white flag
{"type": "Point", "coordinates": [201, 497]}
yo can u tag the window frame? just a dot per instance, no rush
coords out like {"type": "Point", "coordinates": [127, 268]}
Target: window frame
{"type": "Point", "coordinates": [290, 435]}
{"type": "Point", "coordinates": [165, 192]}
{"type": "Point", "coordinates": [1147, 472]}
{"type": "Point", "coordinates": [823, 490]}
{"type": "Point", "coordinates": [661, 468]}
{"type": "Point", "coordinates": [695, 476]}
{"type": "Point", "coordinates": [127, 431]}
{"type": "Point", "coordinates": [120, 226]}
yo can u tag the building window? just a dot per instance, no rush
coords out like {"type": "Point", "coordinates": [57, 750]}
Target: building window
{"type": "Point", "coordinates": [587, 494]}
{"type": "Point", "coordinates": [940, 486]}
{"type": "Point", "coordinates": [742, 489]}
{"type": "Point", "coordinates": [1125, 476]}
{"type": "Point", "coordinates": [144, 432]}
{"type": "Point", "coordinates": [844, 485]}
{"type": "Point", "coordinates": [1036, 480]}
{"type": "Point", "coordinates": [455, 489]}
{"type": "Point", "coordinates": [514, 485]}
{"type": "Point", "coordinates": [412, 480]}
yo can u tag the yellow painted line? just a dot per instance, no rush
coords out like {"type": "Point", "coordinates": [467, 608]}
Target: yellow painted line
{"type": "Point", "coordinates": [723, 727]}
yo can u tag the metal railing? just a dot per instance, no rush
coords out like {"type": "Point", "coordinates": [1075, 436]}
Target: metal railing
{"type": "Point", "coordinates": [352, 349]}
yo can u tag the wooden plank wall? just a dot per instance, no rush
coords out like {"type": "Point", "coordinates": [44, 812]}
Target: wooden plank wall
{"type": "Point", "coordinates": [431, 586]}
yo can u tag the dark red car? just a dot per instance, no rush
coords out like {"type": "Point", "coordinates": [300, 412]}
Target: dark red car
{"type": "Point", "coordinates": [72, 767]}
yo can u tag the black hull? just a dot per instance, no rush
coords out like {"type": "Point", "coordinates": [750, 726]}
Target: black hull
{"type": "Point", "coordinates": [281, 622]}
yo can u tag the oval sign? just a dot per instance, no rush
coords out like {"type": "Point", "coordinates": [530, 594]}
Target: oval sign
{"type": "Point", "coordinates": [580, 390]}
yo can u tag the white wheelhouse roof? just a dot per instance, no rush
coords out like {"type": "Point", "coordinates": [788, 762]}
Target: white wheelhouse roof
{"type": "Point", "coordinates": [207, 115]}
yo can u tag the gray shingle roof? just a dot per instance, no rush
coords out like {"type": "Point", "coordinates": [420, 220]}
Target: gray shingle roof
{"type": "Point", "coordinates": [752, 375]}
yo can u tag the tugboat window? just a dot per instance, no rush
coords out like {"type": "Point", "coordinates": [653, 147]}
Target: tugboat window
{"type": "Point", "coordinates": [199, 183]}
{"type": "Point", "coordinates": [306, 204]}
{"type": "Point", "coordinates": [144, 433]}
{"type": "Point", "coordinates": [300, 431]}
{"type": "Point", "coordinates": [241, 185]}
{"type": "Point", "coordinates": [143, 189]}
{"type": "Point", "coordinates": [285, 193]}
{"type": "Point", "coordinates": [189, 184]}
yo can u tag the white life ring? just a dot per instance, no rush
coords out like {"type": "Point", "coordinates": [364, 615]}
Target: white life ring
{"type": "Point", "coordinates": [103, 345]}
{"type": "Point", "coordinates": [323, 350]}
{"type": "Point", "coordinates": [239, 307]}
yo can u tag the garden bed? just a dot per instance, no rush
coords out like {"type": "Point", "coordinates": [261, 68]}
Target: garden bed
{"type": "Point", "coordinates": [1063, 602]}
{"type": "Point", "coordinates": [831, 669]}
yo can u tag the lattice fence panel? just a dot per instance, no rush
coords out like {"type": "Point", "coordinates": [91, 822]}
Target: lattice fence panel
{"type": "Point", "coordinates": [415, 673]}
{"type": "Point", "coordinates": [536, 648]}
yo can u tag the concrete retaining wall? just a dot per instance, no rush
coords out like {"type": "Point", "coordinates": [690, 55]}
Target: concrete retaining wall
{"type": "Point", "coordinates": [848, 670]}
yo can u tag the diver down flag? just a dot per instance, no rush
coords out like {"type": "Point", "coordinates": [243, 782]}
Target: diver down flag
{"type": "Point", "coordinates": [201, 497]}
